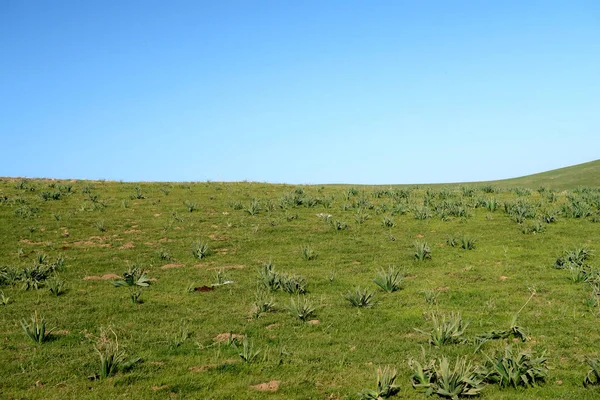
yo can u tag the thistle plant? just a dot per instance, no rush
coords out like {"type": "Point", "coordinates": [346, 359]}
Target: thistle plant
{"type": "Point", "coordinates": [191, 206]}
{"type": "Point", "coordinates": [308, 253]}
{"type": "Point", "coordinates": [467, 242]}
{"type": "Point", "coordinates": [292, 284]}
{"type": "Point", "coordinates": [339, 225]}
{"type": "Point", "coordinates": [437, 377]}
{"type": "Point", "coordinates": [56, 286]}
{"type": "Point", "coordinates": [100, 225]}
{"type": "Point", "coordinates": [134, 276]}
{"type": "Point", "coordinates": [36, 328]}
{"type": "Point", "coordinates": [386, 385]}
{"type": "Point", "coordinates": [515, 369]}
{"type": "Point", "coordinates": [201, 250]}
{"type": "Point", "coordinates": [268, 278]}
{"type": "Point", "coordinates": [422, 250]}
{"type": "Point", "coordinates": [254, 207]}
{"type": "Point", "coordinates": [262, 304]}
{"type": "Point", "coordinates": [390, 280]}
{"type": "Point", "coordinates": [248, 352]}
{"type": "Point", "coordinates": [592, 378]}
{"type": "Point", "coordinates": [431, 296]}
{"type": "Point", "coordinates": [388, 222]}
{"type": "Point", "coordinates": [302, 308]}
{"type": "Point", "coordinates": [447, 329]}
{"type": "Point", "coordinates": [180, 337]}
{"type": "Point", "coordinates": [220, 277]}
{"type": "Point", "coordinates": [360, 298]}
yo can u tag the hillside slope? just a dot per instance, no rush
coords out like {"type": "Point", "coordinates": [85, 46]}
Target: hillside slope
{"type": "Point", "coordinates": [586, 174]}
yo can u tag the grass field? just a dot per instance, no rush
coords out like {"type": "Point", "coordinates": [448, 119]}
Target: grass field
{"type": "Point", "coordinates": [250, 287]}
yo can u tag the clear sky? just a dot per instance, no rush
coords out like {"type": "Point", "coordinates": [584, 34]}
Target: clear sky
{"type": "Point", "coordinates": [292, 91]}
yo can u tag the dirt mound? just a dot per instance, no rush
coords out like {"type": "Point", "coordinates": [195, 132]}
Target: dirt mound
{"type": "Point", "coordinates": [223, 337]}
{"type": "Point", "coordinates": [169, 266]}
{"type": "Point", "coordinates": [271, 386]}
{"type": "Point", "coordinates": [104, 277]}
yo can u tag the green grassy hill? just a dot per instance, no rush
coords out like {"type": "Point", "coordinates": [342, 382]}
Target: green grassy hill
{"type": "Point", "coordinates": [258, 291]}
{"type": "Point", "coordinates": [586, 174]}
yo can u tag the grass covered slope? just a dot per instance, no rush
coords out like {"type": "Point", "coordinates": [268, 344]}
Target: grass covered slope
{"type": "Point", "coordinates": [586, 174]}
{"type": "Point", "coordinates": [250, 290]}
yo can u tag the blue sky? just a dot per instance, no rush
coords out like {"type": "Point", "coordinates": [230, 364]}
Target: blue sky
{"type": "Point", "coordinates": [305, 91]}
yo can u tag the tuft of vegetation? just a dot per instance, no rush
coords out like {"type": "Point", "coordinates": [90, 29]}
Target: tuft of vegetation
{"type": "Point", "coordinates": [438, 377]}
{"type": "Point", "coordinates": [308, 253]}
{"type": "Point", "coordinates": [516, 368]}
{"type": "Point", "coordinates": [35, 329]}
{"type": "Point", "coordinates": [112, 357]}
{"type": "Point", "coordinates": [360, 298]}
{"type": "Point", "coordinates": [390, 280]}
{"type": "Point", "coordinates": [592, 378]}
{"type": "Point", "coordinates": [386, 385]}
{"type": "Point", "coordinates": [190, 205]}
{"type": "Point", "coordinates": [134, 276]}
{"type": "Point", "coordinates": [201, 250]}
{"type": "Point", "coordinates": [447, 329]}
{"type": "Point", "coordinates": [422, 250]}
{"type": "Point", "coordinates": [56, 286]}
{"type": "Point", "coordinates": [302, 308]}
{"type": "Point", "coordinates": [248, 351]}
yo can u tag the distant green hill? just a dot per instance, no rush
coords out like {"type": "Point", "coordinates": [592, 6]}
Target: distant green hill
{"type": "Point", "coordinates": [587, 174]}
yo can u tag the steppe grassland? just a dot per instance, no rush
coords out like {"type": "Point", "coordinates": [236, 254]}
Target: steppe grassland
{"type": "Point", "coordinates": [196, 340]}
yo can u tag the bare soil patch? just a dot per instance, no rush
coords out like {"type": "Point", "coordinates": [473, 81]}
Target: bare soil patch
{"type": "Point", "coordinates": [129, 245]}
{"type": "Point", "coordinates": [169, 266]}
{"type": "Point", "coordinates": [271, 386]}
{"type": "Point", "coordinates": [104, 277]}
{"type": "Point", "coordinates": [228, 267]}
{"type": "Point", "coordinates": [223, 337]}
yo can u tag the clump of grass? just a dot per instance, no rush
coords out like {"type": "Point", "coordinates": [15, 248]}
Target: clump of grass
{"type": "Point", "coordinates": [437, 377]}
{"type": "Point", "coordinates": [516, 369]}
{"type": "Point", "coordinates": [100, 225]}
{"type": "Point", "coordinates": [308, 253]}
{"type": "Point", "coordinates": [592, 378]}
{"type": "Point", "coordinates": [164, 255]}
{"type": "Point", "coordinates": [361, 216]}
{"type": "Point", "coordinates": [578, 256]}
{"type": "Point", "coordinates": [56, 286]}
{"type": "Point", "coordinates": [272, 280]}
{"type": "Point", "coordinates": [422, 250]}
{"type": "Point", "coordinates": [386, 385]}
{"type": "Point", "coordinates": [339, 225]}
{"type": "Point", "coordinates": [201, 250]}
{"type": "Point", "coordinates": [534, 227]}
{"type": "Point", "coordinates": [191, 206]}
{"type": "Point", "coordinates": [467, 242]}
{"type": "Point", "coordinates": [421, 212]}
{"type": "Point", "coordinates": [179, 338]}
{"type": "Point", "coordinates": [431, 296]}
{"type": "Point", "coordinates": [302, 308]}
{"type": "Point", "coordinates": [360, 298]}
{"type": "Point", "coordinates": [248, 352]}
{"type": "Point", "coordinates": [112, 357]}
{"type": "Point", "coordinates": [388, 222]}
{"type": "Point", "coordinates": [4, 299]}
{"type": "Point", "coordinates": [220, 277]}
{"type": "Point", "coordinates": [36, 328]}
{"type": "Point", "coordinates": [262, 304]}
{"type": "Point", "coordinates": [447, 329]}
{"type": "Point", "coordinates": [390, 280]}
{"type": "Point", "coordinates": [254, 207]}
